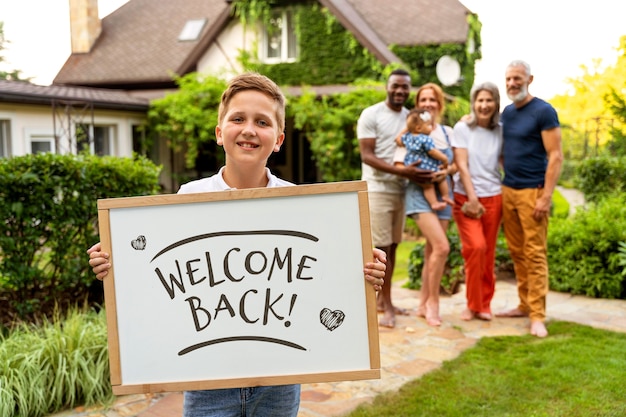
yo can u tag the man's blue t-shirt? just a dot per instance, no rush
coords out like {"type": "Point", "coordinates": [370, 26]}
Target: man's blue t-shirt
{"type": "Point", "coordinates": [524, 156]}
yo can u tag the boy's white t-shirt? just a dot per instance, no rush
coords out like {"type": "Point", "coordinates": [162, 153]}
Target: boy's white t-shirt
{"type": "Point", "coordinates": [216, 183]}
{"type": "Point", "coordinates": [484, 147]}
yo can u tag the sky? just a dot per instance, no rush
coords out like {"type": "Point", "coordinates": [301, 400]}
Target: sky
{"type": "Point", "coordinates": [555, 37]}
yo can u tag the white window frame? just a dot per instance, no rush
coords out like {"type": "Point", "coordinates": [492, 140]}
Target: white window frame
{"type": "Point", "coordinates": [5, 137]}
{"type": "Point", "coordinates": [286, 16]}
{"type": "Point", "coordinates": [39, 135]}
{"type": "Point", "coordinates": [110, 129]}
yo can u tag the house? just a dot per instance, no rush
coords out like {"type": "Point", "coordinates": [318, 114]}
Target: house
{"type": "Point", "coordinates": [139, 47]}
{"type": "Point", "coordinates": [60, 119]}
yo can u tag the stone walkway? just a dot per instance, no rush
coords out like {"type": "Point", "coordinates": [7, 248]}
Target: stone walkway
{"type": "Point", "coordinates": [407, 352]}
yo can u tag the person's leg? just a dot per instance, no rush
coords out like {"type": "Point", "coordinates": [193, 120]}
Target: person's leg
{"type": "Point", "coordinates": [535, 252]}
{"type": "Point", "coordinates": [512, 203]}
{"type": "Point", "coordinates": [491, 221]}
{"type": "Point", "coordinates": [387, 219]}
{"type": "Point", "coordinates": [214, 403]}
{"type": "Point", "coordinates": [473, 251]}
{"type": "Point", "coordinates": [435, 260]}
{"type": "Point", "coordinates": [275, 401]}
{"type": "Point", "coordinates": [431, 196]}
{"type": "Point", "coordinates": [444, 192]}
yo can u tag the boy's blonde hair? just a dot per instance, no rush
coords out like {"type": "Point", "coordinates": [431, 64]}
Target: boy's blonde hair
{"type": "Point", "coordinates": [255, 82]}
{"type": "Point", "coordinates": [417, 118]}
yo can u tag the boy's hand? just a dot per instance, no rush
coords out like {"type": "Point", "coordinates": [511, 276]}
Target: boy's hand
{"type": "Point", "coordinates": [99, 261]}
{"type": "Point", "coordinates": [375, 271]}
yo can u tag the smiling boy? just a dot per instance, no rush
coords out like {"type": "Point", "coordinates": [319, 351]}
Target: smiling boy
{"type": "Point", "coordinates": [251, 123]}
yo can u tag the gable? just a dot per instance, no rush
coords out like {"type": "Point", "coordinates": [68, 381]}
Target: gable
{"type": "Point", "coordinates": [139, 47]}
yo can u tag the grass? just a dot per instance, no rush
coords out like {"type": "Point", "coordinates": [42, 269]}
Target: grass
{"type": "Point", "coordinates": [401, 270]}
{"type": "Point", "coordinates": [576, 372]}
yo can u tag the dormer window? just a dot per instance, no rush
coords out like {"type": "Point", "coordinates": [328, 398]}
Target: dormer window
{"type": "Point", "coordinates": [279, 38]}
{"type": "Point", "coordinates": [192, 30]}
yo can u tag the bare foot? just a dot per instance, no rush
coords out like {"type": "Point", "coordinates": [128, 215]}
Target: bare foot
{"type": "Point", "coordinates": [484, 316]}
{"type": "Point", "coordinates": [388, 321]}
{"type": "Point", "coordinates": [467, 314]}
{"type": "Point", "coordinates": [398, 311]}
{"type": "Point", "coordinates": [433, 321]}
{"type": "Point", "coordinates": [516, 312]}
{"type": "Point", "coordinates": [421, 312]}
{"type": "Point", "coordinates": [537, 328]}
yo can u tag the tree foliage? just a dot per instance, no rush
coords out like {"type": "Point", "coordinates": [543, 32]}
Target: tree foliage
{"type": "Point", "coordinates": [590, 112]}
{"type": "Point", "coordinates": [14, 75]}
{"type": "Point", "coordinates": [186, 119]}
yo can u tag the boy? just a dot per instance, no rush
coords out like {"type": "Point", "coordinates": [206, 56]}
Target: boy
{"type": "Point", "coordinates": [251, 121]}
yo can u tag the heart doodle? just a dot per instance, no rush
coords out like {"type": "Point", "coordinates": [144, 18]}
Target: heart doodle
{"type": "Point", "coordinates": [139, 243]}
{"type": "Point", "coordinates": [331, 319]}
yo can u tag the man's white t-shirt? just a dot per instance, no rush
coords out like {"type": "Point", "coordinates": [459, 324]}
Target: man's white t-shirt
{"type": "Point", "coordinates": [383, 124]}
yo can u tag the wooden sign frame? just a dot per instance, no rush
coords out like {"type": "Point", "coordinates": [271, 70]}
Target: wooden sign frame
{"type": "Point", "coordinates": [239, 288]}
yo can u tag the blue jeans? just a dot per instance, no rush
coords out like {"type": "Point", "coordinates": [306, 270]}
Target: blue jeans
{"type": "Point", "coordinates": [274, 401]}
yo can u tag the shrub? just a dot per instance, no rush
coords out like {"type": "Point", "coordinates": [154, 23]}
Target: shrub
{"type": "Point", "coordinates": [49, 206]}
{"type": "Point", "coordinates": [584, 250]}
{"type": "Point", "coordinates": [601, 176]}
{"type": "Point", "coordinates": [60, 364]}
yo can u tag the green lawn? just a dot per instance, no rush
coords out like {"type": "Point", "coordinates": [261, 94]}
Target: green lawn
{"type": "Point", "coordinates": [578, 371]}
{"type": "Point", "coordinates": [401, 271]}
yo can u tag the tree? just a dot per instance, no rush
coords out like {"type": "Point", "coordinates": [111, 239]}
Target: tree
{"type": "Point", "coordinates": [587, 118]}
{"type": "Point", "coordinates": [616, 101]}
{"type": "Point", "coordinates": [12, 74]}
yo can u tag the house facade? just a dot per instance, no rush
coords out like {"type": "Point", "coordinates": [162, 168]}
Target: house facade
{"type": "Point", "coordinates": [325, 45]}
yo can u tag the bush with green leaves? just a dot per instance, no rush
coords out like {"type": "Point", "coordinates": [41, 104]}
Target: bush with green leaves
{"type": "Point", "coordinates": [48, 204]}
{"type": "Point", "coordinates": [584, 250]}
{"type": "Point", "coordinates": [600, 176]}
{"type": "Point", "coordinates": [59, 364]}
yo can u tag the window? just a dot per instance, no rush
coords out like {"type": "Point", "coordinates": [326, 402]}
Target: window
{"type": "Point", "coordinates": [279, 38]}
{"type": "Point", "coordinates": [41, 144]}
{"type": "Point", "coordinates": [5, 138]}
{"type": "Point", "coordinates": [101, 143]}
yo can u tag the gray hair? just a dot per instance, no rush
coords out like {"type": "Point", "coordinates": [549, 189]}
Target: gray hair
{"type": "Point", "coordinates": [520, 63]}
{"type": "Point", "coordinates": [495, 93]}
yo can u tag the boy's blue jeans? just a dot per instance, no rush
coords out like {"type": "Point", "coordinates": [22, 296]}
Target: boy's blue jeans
{"type": "Point", "coordinates": [274, 401]}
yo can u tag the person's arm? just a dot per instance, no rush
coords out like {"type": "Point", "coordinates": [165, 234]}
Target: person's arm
{"type": "Point", "coordinates": [411, 172]}
{"type": "Point", "coordinates": [473, 208]}
{"type": "Point", "coordinates": [439, 156]}
{"type": "Point", "coordinates": [552, 143]}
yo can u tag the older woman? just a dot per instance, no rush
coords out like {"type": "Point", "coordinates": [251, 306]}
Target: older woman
{"type": "Point", "coordinates": [477, 145]}
{"type": "Point", "coordinates": [432, 224]}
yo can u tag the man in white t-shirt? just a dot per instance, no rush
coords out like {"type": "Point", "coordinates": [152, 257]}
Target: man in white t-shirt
{"type": "Point", "coordinates": [377, 129]}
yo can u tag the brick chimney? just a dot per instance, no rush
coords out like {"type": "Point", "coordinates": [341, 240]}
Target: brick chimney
{"type": "Point", "coordinates": [85, 25]}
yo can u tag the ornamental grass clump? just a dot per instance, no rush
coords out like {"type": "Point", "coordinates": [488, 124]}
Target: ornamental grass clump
{"type": "Point", "coordinates": [58, 364]}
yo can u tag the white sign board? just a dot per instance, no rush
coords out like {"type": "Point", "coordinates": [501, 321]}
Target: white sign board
{"type": "Point", "coordinates": [239, 288]}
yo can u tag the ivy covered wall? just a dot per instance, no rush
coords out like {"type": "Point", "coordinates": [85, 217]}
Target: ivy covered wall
{"type": "Point", "coordinates": [329, 54]}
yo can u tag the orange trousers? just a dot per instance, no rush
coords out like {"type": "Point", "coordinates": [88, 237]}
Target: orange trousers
{"type": "Point", "coordinates": [527, 240]}
{"type": "Point", "coordinates": [478, 248]}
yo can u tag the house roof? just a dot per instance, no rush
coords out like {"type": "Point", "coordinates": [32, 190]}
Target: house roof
{"type": "Point", "coordinates": [139, 48]}
{"type": "Point", "coordinates": [26, 93]}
